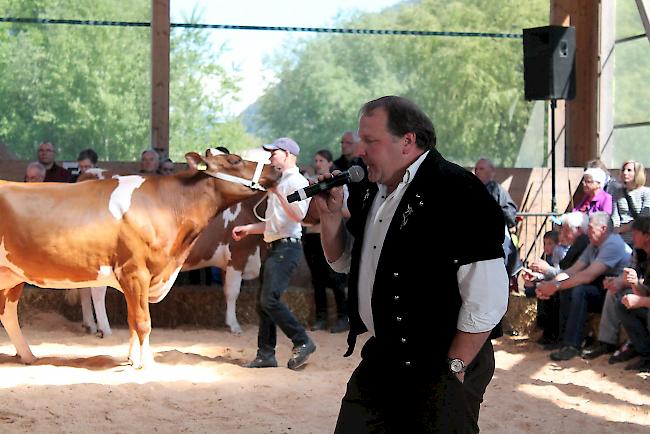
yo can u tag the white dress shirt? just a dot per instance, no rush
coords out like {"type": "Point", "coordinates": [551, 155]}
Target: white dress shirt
{"type": "Point", "coordinates": [278, 223]}
{"type": "Point", "coordinates": [483, 285]}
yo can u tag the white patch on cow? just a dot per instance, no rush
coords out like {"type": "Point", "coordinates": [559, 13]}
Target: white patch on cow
{"type": "Point", "coordinates": [120, 200]}
{"type": "Point", "coordinates": [5, 262]}
{"type": "Point", "coordinates": [104, 270]}
{"type": "Point", "coordinates": [159, 291]}
{"type": "Point", "coordinates": [220, 258]}
{"type": "Point", "coordinates": [229, 216]}
{"type": "Point", "coordinates": [253, 264]}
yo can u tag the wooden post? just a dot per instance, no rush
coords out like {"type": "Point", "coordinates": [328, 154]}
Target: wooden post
{"type": "Point", "coordinates": [605, 132]}
{"type": "Point", "coordinates": [160, 27]}
{"type": "Point", "coordinates": [582, 112]}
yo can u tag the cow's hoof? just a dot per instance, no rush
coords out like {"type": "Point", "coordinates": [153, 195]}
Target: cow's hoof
{"type": "Point", "coordinates": [102, 334]}
{"type": "Point", "coordinates": [28, 360]}
{"type": "Point", "coordinates": [236, 330]}
{"type": "Point", "coordinates": [89, 329]}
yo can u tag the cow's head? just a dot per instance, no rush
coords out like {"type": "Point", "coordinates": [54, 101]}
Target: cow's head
{"type": "Point", "coordinates": [256, 175]}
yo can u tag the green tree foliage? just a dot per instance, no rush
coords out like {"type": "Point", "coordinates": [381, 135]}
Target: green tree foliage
{"type": "Point", "coordinates": [472, 88]}
{"type": "Point", "coordinates": [89, 86]}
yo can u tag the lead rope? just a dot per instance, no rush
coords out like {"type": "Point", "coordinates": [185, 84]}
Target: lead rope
{"type": "Point", "coordinates": [258, 204]}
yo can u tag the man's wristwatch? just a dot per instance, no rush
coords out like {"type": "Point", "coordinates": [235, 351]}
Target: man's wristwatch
{"type": "Point", "coordinates": [456, 366]}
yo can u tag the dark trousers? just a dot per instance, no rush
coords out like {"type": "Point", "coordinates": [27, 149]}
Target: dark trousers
{"type": "Point", "coordinates": [548, 317]}
{"type": "Point", "coordinates": [323, 277]}
{"type": "Point", "coordinates": [575, 304]}
{"type": "Point", "coordinates": [281, 261]}
{"type": "Point", "coordinates": [381, 401]}
{"type": "Point", "coordinates": [637, 324]}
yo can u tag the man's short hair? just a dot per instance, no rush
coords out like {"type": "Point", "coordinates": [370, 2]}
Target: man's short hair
{"type": "Point", "coordinates": [404, 116]}
{"type": "Point", "coordinates": [642, 224]}
{"type": "Point", "coordinates": [88, 154]}
{"type": "Point", "coordinates": [151, 151]}
{"type": "Point", "coordinates": [553, 236]}
{"type": "Point", "coordinates": [38, 166]}
{"type": "Point", "coordinates": [603, 219]}
{"type": "Point", "coordinates": [355, 136]}
{"type": "Point", "coordinates": [576, 220]}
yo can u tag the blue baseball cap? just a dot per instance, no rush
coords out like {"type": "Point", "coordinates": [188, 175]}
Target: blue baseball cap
{"type": "Point", "coordinates": [284, 143]}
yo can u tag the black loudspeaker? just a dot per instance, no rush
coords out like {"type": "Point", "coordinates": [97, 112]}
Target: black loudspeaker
{"type": "Point", "coordinates": [550, 63]}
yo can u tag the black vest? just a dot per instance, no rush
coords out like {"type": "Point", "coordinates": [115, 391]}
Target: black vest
{"type": "Point", "coordinates": [445, 219]}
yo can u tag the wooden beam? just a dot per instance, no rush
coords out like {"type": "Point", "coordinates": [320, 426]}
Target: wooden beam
{"type": "Point", "coordinates": [644, 8]}
{"type": "Point", "coordinates": [160, 27]}
{"type": "Point", "coordinates": [605, 131]}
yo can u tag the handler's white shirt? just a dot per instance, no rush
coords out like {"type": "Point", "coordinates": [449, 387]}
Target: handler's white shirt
{"type": "Point", "coordinates": [278, 223]}
{"type": "Point", "coordinates": [483, 285]}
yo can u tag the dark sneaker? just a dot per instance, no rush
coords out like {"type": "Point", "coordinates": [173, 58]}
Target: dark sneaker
{"type": "Point", "coordinates": [320, 324]}
{"type": "Point", "coordinates": [341, 325]}
{"type": "Point", "coordinates": [552, 346]}
{"type": "Point", "coordinates": [641, 365]}
{"type": "Point", "coordinates": [262, 362]}
{"type": "Point", "coordinates": [565, 353]}
{"type": "Point", "coordinates": [300, 355]}
{"type": "Point", "coordinates": [623, 354]}
{"type": "Point", "coordinates": [597, 350]}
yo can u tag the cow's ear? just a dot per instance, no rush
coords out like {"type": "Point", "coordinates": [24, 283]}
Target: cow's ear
{"type": "Point", "coordinates": [196, 162]}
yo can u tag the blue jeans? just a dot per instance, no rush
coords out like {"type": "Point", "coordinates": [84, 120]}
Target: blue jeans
{"type": "Point", "coordinates": [575, 304]}
{"type": "Point", "coordinates": [281, 261]}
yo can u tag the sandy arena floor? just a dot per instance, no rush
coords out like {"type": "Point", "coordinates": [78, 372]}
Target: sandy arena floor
{"type": "Point", "coordinates": [82, 385]}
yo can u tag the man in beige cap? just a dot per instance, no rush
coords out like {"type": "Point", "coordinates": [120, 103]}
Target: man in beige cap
{"type": "Point", "coordinates": [282, 232]}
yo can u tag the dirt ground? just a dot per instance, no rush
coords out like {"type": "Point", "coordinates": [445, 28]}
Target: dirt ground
{"type": "Point", "coordinates": [81, 384]}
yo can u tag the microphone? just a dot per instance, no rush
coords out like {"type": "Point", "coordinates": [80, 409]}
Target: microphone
{"type": "Point", "coordinates": [353, 174]}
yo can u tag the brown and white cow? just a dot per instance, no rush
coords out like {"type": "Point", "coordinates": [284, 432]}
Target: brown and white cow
{"type": "Point", "coordinates": [239, 260]}
{"type": "Point", "coordinates": [132, 233]}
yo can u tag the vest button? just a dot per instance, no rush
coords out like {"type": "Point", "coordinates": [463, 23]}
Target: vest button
{"type": "Point", "coordinates": [407, 363]}
{"type": "Point", "coordinates": [398, 318]}
{"type": "Point", "coordinates": [396, 297]}
{"type": "Point", "coordinates": [395, 274]}
{"type": "Point", "coordinates": [403, 340]}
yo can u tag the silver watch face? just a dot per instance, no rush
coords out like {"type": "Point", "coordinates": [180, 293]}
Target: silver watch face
{"type": "Point", "coordinates": [456, 366]}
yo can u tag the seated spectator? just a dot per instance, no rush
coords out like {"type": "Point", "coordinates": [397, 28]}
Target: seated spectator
{"type": "Point", "coordinates": [53, 172]}
{"type": "Point", "coordinates": [35, 172]}
{"type": "Point", "coordinates": [548, 311]}
{"type": "Point", "coordinates": [634, 309]}
{"type": "Point", "coordinates": [595, 198]}
{"type": "Point", "coordinates": [166, 167]}
{"type": "Point", "coordinates": [610, 183]}
{"type": "Point", "coordinates": [631, 199]}
{"type": "Point", "coordinates": [322, 275]}
{"type": "Point", "coordinates": [610, 323]}
{"type": "Point", "coordinates": [87, 159]}
{"type": "Point", "coordinates": [581, 285]}
{"type": "Point", "coordinates": [149, 162]}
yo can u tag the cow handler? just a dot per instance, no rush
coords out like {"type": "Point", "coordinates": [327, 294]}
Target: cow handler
{"type": "Point", "coordinates": [282, 232]}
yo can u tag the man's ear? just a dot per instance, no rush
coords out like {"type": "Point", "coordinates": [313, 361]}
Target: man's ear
{"type": "Point", "coordinates": [196, 162]}
{"type": "Point", "coordinates": [410, 142]}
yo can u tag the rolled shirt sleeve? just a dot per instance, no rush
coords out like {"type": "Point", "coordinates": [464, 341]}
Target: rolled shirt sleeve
{"type": "Point", "coordinates": [483, 287]}
{"type": "Point", "coordinates": [342, 264]}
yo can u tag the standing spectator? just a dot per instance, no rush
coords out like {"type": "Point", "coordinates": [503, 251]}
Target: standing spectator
{"type": "Point", "coordinates": [581, 285]}
{"type": "Point", "coordinates": [282, 232]}
{"type": "Point", "coordinates": [631, 199]}
{"type": "Point", "coordinates": [415, 274]}
{"type": "Point", "coordinates": [322, 275]}
{"type": "Point", "coordinates": [485, 171]}
{"type": "Point", "coordinates": [595, 198]}
{"type": "Point", "coordinates": [53, 172]}
{"type": "Point", "coordinates": [349, 144]}
{"type": "Point", "coordinates": [149, 162]}
{"type": "Point", "coordinates": [35, 172]}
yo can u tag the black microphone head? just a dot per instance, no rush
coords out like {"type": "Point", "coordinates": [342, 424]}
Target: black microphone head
{"type": "Point", "coordinates": [356, 173]}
